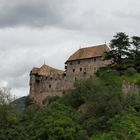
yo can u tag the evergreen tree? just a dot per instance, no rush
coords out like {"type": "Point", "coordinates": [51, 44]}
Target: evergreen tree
{"type": "Point", "coordinates": [136, 52]}
{"type": "Point", "coordinates": [119, 52]}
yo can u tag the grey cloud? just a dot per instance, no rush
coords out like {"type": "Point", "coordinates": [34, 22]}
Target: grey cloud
{"type": "Point", "coordinates": [37, 13]}
{"type": "Point", "coordinates": [23, 13]}
{"type": "Point", "coordinates": [88, 16]}
{"type": "Point", "coordinates": [69, 14]}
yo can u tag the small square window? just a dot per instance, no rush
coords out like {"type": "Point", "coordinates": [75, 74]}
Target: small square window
{"type": "Point", "coordinates": [49, 86]}
{"type": "Point", "coordinates": [85, 72]}
{"type": "Point", "coordinates": [80, 69]}
{"type": "Point", "coordinates": [79, 62]}
{"type": "Point", "coordinates": [73, 70]}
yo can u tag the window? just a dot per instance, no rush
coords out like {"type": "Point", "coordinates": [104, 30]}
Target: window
{"type": "Point", "coordinates": [45, 101]}
{"type": "Point", "coordinates": [85, 71]}
{"type": "Point", "coordinates": [70, 63]}
{"type": "Point", "coordinates": [79, 62]}
{"type": "Point", "coordinates": [64, 74]}
{"type": "Point", "coordinates": [94, 59]}
{"type": "Point", "coordinates": [49, 86]}
{"type": "Point", "coordinates": [73, 70]}
{"type": "Point", "coordinates": [80, 69]}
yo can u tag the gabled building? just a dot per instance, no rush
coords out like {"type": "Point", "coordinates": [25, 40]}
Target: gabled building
{"type": "Point", "coordinates": [46, 82]}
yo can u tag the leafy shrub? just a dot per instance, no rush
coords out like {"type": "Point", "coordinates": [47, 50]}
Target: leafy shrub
{"type": "Point", "coordinates": [126, 126]}
{"type": "Point", "coordinates": [130, 71]}
{"type": "Point", "coordinates": [105, 136]}
{"type": "Point", "coordinates": [55, 122]}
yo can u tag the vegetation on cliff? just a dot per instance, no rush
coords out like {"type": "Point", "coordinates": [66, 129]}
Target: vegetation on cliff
{"type": "Point", "coordinates": [95, 110]}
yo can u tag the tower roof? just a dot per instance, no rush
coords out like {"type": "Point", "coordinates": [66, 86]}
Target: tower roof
{"type": "Point", "coordinates": [89, 52]}
{"type": "Point", "coordinates": [46, 70]}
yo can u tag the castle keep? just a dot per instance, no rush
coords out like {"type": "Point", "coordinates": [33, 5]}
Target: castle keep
{"type": "Point", "coordinates": [47, 82]}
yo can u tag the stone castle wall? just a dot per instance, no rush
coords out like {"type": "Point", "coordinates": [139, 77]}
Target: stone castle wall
{"type": "Point", "coordinates": [42, 87]}
{"type": "Point", "coordinates": [83, 69]}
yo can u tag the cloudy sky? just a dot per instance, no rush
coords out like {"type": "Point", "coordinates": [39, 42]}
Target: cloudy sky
{"type": "Point", "coordinates": [32, 31]}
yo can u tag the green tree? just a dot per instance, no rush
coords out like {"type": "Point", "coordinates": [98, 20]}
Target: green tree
{"type": "Point", "coordinates": [105, 136]}
{"type": "Point", "coordinates": [56, 122]}
{"type": "Point", "coordinates": [126, 126]}
{"type": "Point", "coordinates": [6, 109]}
{"type": "Point", "coordinates": [136, 52]}
{"type": "Point", "coordinates": [10, 127]}
{"type": "Point", "coordinates": [119, 51]}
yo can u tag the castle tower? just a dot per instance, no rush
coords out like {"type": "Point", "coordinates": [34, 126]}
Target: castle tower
{"type": "Point", "coordinates": [85, 62]}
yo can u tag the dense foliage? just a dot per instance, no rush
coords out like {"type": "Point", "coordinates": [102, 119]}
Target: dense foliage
{"type": "Point", "coordinates": [124, 53]}
{"type": "Point", "coordinates": [95, 110]}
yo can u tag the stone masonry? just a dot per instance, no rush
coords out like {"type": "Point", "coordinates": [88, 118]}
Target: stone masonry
{"type": "Point", "coordinates": [46, 82]}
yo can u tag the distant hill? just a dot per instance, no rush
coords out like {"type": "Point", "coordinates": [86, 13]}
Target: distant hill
{"type": "Point", "coordinates": [20, 103]}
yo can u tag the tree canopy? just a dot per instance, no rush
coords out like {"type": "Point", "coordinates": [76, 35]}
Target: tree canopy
{"type": "Point", "coordinates": [124, 53]}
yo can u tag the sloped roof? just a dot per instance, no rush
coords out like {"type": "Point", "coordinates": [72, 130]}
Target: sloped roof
{"type": "Point", "coordinates": [89, 52]}
{"type": "Point", "coordinates": [46, 70]}
{"type": "Point", "coordinates": [34, 70]}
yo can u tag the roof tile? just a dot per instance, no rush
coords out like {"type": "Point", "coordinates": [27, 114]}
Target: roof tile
{"type": "Point", "coordinates": [89, 52]}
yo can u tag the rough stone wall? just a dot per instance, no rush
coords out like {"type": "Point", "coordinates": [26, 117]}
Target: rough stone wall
{"type": "Point", "coordinates": [43, 87]}
{"type": "Point", "coordinates": [128, 87]}
{"type": "Point", "coordinates": [83, 69]}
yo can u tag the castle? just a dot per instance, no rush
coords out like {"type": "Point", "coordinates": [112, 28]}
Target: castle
{"type": "Point", "coordinates": [47, 82]}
